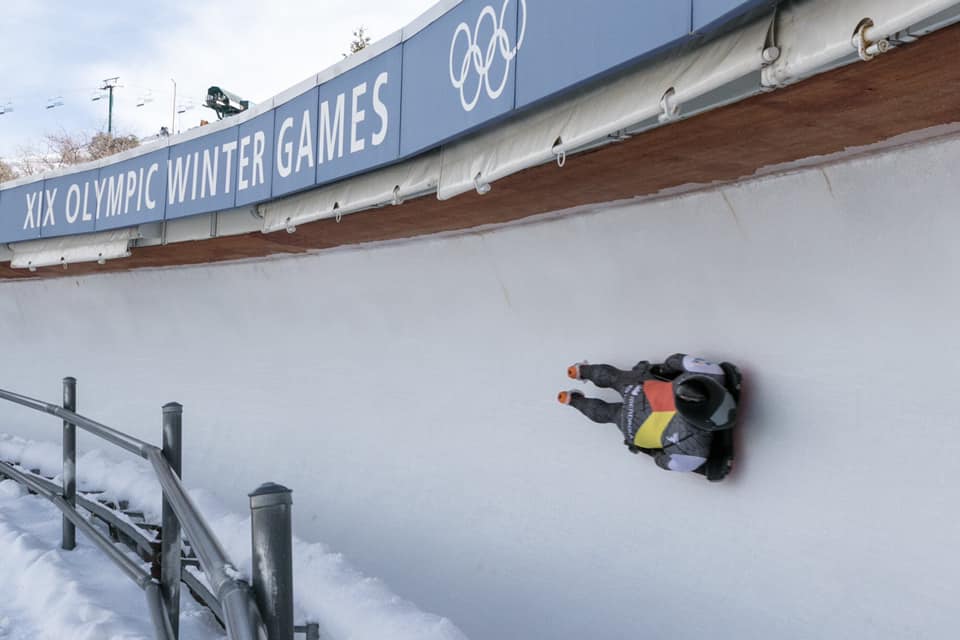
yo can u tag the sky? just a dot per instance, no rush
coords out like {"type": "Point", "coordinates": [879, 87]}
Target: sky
{"type": "Point", "coordinates": [256, 49]}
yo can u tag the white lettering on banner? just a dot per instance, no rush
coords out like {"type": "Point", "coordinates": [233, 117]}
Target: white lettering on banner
{"type": "Point", "coordinates": [331, 133]}
{"type": "Point", "coordinates": [228, 150]}
{"type": "Point", "coordinates": [76, 205]}
{"type": "Point", "coordinates": [198, 171]}
{"type": "Point", "coordinates": [196, 167]}
{"type": "Point", "coordinates": [259, 145]}
{"type": "Point", "coordinates": [50, 198]}
{"type": "Point", "coordinates": [140, 190]}
{"type": "Point", "coordinates": [98, 188]}
{"type": "Point", "coordinates": [210, 166]}
{"type": "Point", "coordinates": [332, 128]}
{"type": "Point", "coordinates": [242, 162]}
{"type": "Point", "coordinates": [380, 109]}
{"type": "Point", "coordinates": [254, 161]}
{"type": "Point", "coordinates": [131, 189]}
{"type": "Point", "coordinates": [86, 217]}
{"type": "Point", "coordinates": [480, 60]}
{"type": "Point", "coordinates": [120, 194]}
{"type": "Point", "coordinates": [284, 149]}
{"type": "Point", "coordinates": [150, 202]}
{"type": "Point", "coordinates": [114, 195]}
{"type": "Point", "coordinates": [177, 179]}
{"type": "Point", "coordinates": [305, 150]}
{"type": "Point", "coordinates": [357, 116]}
{"type": "Point", "coordinates": [33, 205]}
{"type": "Point", "coordinates": [73, 194]}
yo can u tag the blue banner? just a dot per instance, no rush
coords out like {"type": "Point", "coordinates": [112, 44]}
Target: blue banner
{"type": "Point", "coordinates": [478, 63]}
{"type": "Point", "coordinates": [21, 212]}
{"type": "Point", "coordinates": [202, 174]}
{"type": "Point", "coordinates": [294, 135]}
{"type": "Point", "coordinates": [144, 178]}
{"type": "Point", "coordinates": [72, 202]}
{"type": "Point", "coordinates": [255, 159]}
{"type": "Point", "coordinates": [459, 72]}
{"type": "Point", "coordinates": [708, 14]}
{"type": "Point", "coordinates": [561, 49]}
{"type": "Point", "coordinates": [359, 121]}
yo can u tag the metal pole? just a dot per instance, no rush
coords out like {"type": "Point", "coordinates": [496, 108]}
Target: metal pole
{"type": "Point", "coordinates": [272, 533]}
{"type": "Point", "coordinates": [110, 114]}
{"type": "Point", "coordinates": [170, 528]}
{"type": "Point", "coordinates": [173, 109]}
{"type": "Point", "coordinates": [69, 537]}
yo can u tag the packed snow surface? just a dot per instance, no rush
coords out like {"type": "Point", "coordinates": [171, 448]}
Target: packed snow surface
{"type": "Point", "coordinates": [49, 593]}
{"type": "Point", "coordinates": [79, 594]}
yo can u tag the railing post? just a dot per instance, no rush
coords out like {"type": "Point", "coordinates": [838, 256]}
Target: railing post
{"type": "Point", "coordinates": [272, 539]}
{"type": "Point", "coordinates": [69, 537]}
{"type": "Point", "coordinates": [170, 552]}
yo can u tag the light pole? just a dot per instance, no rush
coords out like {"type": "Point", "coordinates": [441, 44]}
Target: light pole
{"type": "Point", "coordinates": [173, 109]}
{"type": "Point", "coordinates": [109, 85]}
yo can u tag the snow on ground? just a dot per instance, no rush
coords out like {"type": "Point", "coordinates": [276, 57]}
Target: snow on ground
{"type": "Point", "coordinates": [80, 594]}
{"type": "Point", "coordinates": [56, 594]}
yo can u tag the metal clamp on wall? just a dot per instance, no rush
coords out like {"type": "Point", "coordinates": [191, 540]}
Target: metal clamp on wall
{"type": "Point", "coordinates": [560, 152]}
{"type": "Point", "coordinates": [669, 109]}
{"type": "Point", "coordinates": [867, 49]}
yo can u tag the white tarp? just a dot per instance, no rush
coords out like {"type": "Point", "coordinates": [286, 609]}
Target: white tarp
{"type": "Point", "coordinates": [389, 185]}
{"type": "Point", "coordinates": [814, 36]}
{"type": "Point", "coordinates": [106, 245]}
{"type": "Point", "coordinates": [604, 110]}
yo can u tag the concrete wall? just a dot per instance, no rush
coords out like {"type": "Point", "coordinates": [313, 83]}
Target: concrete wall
{"type": "Point", "coordinates": [406, 393]}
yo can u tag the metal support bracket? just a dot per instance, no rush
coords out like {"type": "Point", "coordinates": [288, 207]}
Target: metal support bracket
{"type": "Point", "coordinates": [868, 49]}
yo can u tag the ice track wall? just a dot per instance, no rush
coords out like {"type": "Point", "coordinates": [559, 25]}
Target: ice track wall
{"type": "Point", "coordinates": [406, 393]}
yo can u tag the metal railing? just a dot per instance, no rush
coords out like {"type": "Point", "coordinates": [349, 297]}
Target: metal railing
{"type": "Point", "coordinates": [263, 612]}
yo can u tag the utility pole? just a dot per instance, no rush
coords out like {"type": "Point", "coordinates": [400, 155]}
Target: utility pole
{"type": "Point", "coordinates": [109, 85]}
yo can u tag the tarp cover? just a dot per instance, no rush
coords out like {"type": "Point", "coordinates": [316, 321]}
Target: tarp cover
{"type": "Point", "coordinates": [106, 245]}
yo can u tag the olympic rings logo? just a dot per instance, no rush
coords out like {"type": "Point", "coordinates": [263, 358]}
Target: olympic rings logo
{"type": "Point", "coordinates": [481, 61]}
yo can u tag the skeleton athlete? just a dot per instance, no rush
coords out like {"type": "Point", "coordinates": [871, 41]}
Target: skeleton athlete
{"type": "Point", "coordinates": [673, 411]}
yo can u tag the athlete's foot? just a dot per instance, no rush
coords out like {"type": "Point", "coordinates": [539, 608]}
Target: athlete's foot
{"type": "Point", "coordinates": [566, 397]}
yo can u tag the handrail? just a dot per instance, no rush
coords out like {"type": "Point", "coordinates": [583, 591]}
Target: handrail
{"type": "Point", "coordinates": [240, 611]}
{"type": "Point", "coordinates": [241, 614]}
{"type": "Point", "coordinates": [128, 566]}
{"type": "Point", "coordinates": [120, 439]}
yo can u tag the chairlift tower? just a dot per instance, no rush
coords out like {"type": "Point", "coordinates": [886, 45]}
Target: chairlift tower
{"type": "Point", "coordinates": [109, 85]}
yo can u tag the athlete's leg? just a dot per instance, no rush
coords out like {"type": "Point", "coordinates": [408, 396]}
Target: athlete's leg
{"type": "Point", "coordinates": [596, 410]}
{"type": "Point", "coordinates": [605, 376]}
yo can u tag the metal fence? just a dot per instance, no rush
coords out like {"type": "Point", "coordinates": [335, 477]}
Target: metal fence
{"type": "Point", "coordinates": [264, 611]}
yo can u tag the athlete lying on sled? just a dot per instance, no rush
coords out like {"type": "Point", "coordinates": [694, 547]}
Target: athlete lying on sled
{"type": "Point", "coordinates": [681, 412]}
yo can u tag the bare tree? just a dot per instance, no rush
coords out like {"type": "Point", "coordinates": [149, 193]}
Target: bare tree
{"type": "Point", "coordinates": [103, 144]}
{"type": "Point", "coordinates": [31, 161]}
{"type": "Point", "coordinates": [64, 149]}
{"type": "Point", "coordinates": [360, 41]}
{"type": "Point", "coordinates": [7, 172]}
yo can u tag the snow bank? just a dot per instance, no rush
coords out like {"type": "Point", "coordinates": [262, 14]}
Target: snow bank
{"type": "Point", "coordinates": [347, 604]}
{"type": "Point", "coordinates": [51, 594]}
